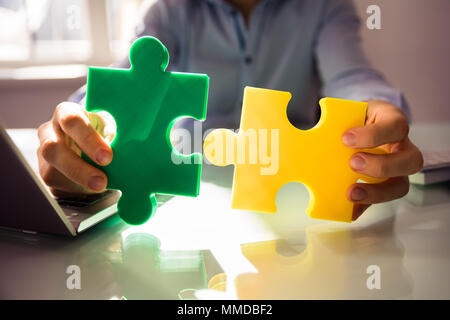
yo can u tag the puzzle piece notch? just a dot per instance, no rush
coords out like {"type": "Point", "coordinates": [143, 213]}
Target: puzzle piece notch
{"type": "Point", "coordinates": [325, 172]}
{"type": "Point", "coordinates": [145, 101]}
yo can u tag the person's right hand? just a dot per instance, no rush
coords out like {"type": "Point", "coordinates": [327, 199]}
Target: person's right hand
{"type": "Point", "coordinates": [72, 130]}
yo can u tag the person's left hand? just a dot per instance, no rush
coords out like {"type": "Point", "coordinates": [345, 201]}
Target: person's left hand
{"type": "Point", "coordinates": [386, 127]}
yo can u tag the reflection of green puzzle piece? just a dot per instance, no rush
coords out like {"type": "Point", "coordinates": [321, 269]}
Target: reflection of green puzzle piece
{"type": "Point", "coordinates": [145, 101]}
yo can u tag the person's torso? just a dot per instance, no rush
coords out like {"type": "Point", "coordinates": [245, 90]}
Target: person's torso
{"type": "Point", "coordinates": [275, 51]}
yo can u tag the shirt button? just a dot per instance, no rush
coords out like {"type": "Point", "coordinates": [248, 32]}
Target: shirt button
{"type": "Point", "coordinates": [248, 60]}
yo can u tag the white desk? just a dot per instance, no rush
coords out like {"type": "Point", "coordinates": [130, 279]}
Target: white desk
{"type": "Point", "coordinates": [192, 247]}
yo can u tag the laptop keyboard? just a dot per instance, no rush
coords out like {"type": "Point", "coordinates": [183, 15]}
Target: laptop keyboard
{"type": "Point", "coordinates": [91, 199]}
{"type": "Point", "coordinates": [84, 201]}
{"type": "Point", "coordinates": [436, 159]}
{"type": "Point", "coordinates": [81, 208]}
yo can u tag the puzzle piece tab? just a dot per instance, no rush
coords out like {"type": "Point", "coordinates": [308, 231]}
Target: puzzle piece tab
{"type": "Point", "coordinates": [268, 152]}
{"type": "Point", "coordinates": [145, 102]}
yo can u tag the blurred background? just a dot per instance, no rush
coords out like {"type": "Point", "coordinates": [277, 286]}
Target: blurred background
{"type": "Point", "coordinates": [46, 46]}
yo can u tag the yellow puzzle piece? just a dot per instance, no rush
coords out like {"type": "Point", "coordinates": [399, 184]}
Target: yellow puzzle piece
{"type": "Point", "coordinates": [268, 152]}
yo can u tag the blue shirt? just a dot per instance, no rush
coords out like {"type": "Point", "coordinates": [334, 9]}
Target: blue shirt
{"type": "Point", "coordinates": [311, 48]}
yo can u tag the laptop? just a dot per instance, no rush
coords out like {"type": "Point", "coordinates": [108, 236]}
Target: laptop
{"type": "Point", "coordinates": [27, 205]}
{"type": "Point", "coordinates": [432, 139]}
{"type": "Point", "coordinates": [436, 168]}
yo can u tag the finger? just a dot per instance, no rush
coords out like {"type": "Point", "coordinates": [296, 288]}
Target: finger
{"type": "Point", "coordinates": [71, 120]}
{"type": "Point", "coordinates": [60, 156]}
{"type": "Point", "coordinates": [391, 189]}
{"type": "Point", "coordinates": [388, 127]}
{"type": "Point", "coordinates": [49, 174]}
{"type": "Point", "coordinates": [57, 181]}
{"type": "Point", "coordinates": [45, 131]}
{"type": "Point", "coordinates": [403, 162]}
{"type": "Point", "coordinates": [52, 177]}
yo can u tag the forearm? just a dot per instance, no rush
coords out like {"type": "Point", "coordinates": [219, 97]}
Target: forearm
{"type": "Point", "coordinates": [343, 66]}
{"type": "Point", "coordinates": [365, 85]}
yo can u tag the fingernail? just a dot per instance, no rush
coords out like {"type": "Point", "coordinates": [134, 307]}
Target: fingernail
{"type": "Point", "coordinates": [359, 194]}
{"type": "Point", "coordinates": [357, 163]}
{"type": "Point", "coordinates": [96, 183]}
{"type": "Point", "coordinates": [349, 139]}
{"type": "Point", "coordinates": [103, 157]}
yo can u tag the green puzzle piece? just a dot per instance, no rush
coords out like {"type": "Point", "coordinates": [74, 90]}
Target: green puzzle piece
{"type": "Point", "coordinates": [145, 102]}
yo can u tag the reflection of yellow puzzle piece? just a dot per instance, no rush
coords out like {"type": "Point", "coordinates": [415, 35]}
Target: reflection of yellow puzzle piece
{"type": "Point", "coordinates": [269, 152]}
{"type": "Point", "coordinates": [332, 263]}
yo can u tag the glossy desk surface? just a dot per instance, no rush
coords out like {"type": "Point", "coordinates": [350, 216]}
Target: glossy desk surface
{"type": "Point", "coordinates": [198, 248]}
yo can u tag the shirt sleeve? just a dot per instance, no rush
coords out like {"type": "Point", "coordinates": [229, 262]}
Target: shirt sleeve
{"type": "Point", "coordinates": [158, 20]}
{"type": "Point", "coordinates": [343, 66]}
